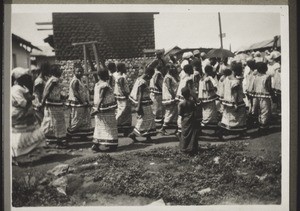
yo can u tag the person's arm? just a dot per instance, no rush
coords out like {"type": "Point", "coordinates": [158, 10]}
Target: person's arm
{"type": "Point", "coordinates": [180, 109]}
{"type": "Point", "coordinates": [140, 94]}
{"type": "Point", "coordinates": [75, 87]}
{"type": "Point", "coordinates": [235, 95]}
{"type": "Point", "coordinates": [25, 101]}
{"type": "Point", "coordinates": [214, 83]}
{"type": "Point", "coordinates": [269, 86]}
{"type": "Point", "coordinates": [158, 81]}
{"type": "Point", "coordinates": [197, 78]}
{"type": "Point", "coordinates": [191, 88]}
{"type": "Point", "coordinates": [39, 91]}
{"type": "Point", "coordinates": [168, 84]}
{"type": "Point", "coordinates": [101, 96]}
{"type": "Point", "coordinates": [47, 93]}
{"type": "Point", "coordinates": [121, 82]}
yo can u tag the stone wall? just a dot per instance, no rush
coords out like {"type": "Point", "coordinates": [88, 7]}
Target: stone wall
{"type": "Point", "coordinates": [134, 66]}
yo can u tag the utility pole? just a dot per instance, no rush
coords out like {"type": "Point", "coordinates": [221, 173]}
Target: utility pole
{"type": "Point", "coordinates": [220, 27]}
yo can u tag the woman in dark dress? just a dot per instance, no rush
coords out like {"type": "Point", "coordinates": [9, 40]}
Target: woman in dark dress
{"type": "Point", "coordinates": [189, 135]}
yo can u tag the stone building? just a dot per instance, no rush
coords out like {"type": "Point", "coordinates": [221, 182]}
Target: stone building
{"type": "Point", "coordinates": [119, 35]}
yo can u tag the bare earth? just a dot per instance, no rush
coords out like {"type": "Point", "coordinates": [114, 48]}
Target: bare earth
{"type": "Point", "coordinates": [234, 171]}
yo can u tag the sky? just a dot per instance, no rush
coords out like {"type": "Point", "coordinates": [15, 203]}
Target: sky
{"type": "Point", "coordinates": [183, 29]}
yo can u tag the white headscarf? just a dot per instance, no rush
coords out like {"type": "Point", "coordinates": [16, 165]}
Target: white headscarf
{"type": "Point", "coordinates": [19, 71]}
{"type": "Point", "coordinates": [187, 55]}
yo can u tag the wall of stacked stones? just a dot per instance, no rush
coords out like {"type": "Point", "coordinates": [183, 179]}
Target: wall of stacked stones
{"type": "Point", "coordinates": [119, 35]}
{"type": "Point", "coordinates": [135, 67]}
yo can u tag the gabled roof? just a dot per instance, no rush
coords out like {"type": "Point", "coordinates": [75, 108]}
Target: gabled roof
{"type": "Point", "coordinates": [174, 49]}
{"type": "Point", "coordinates": [22, 41]}
{"type": "Point", "coordinates": [47, 51]}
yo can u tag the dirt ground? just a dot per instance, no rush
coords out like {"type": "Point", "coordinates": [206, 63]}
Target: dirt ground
{"type": "Point", "coordinates": [255, 164]}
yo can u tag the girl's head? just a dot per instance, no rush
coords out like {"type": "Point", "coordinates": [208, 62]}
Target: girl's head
{"type": "Point", "coordinates": [171, 69]}
{"type": "Point", "coordinates": [121, 68]}
{"type": "Point", "coordinates": [185, 91]}
{"type": "Point", "coordinates": [78, 70]}
{"type": "Point", "coordinates": [251, 64]}
{"type": "Point", "coordinates": [227, 72]}
{"type": "Point", "coordinates": [173, 58]}
{"type": "Point", "coordinates": [197, 65]}
{"type": "Point", "coordinates": [278, 59]}
{"type": "Point", "coordinates": [112, 67]}
{"type": "Point", "coordinates": [45, 69]}
{"type": "Point", "coordinates": [188, 69]}
{"type": "Point", "coordinates": [237, 69]}
{"type": "Point", "coordinates": [24, 80]}
{"type": "Point", "coordinates": [209, 70]}
{"type": "Point", "coordinates": [17, 73]}
{"type": "Point", "coordinates": [213, 61]}
{"type": "Point", "coordinates": [261, 67]}
{"type": "Point", "coordinates": [160, 53]}
{"type": "Point", "coordinates": [149, 72]}
{"type": "Point", "coordinates": [103, 74]}
{"type": "Point", "coordinates": [27, 81]}
{"type": "Point", "coordinates": [55, 70]}
{"type": "Point", "coordinates": [153, 64]}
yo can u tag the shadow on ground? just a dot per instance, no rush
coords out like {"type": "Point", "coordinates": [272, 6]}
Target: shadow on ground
{"type": "Point", "coordinates": [46, 159]}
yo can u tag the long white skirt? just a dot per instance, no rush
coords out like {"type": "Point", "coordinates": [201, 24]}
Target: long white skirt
{"type": "Point", "coordinates": [25, 139]}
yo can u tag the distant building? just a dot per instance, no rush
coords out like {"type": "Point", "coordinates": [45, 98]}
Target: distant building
{"type": "Point", "coordinates": [21, 50]}
{"type": "Point", "coordinates": [270, 44]}
{"type": "Point", "coordinates": [172, 51]}
{"type": "Point", "coordinates": [119, 35]}
{"type": "Point", "coordinates": [46, 54]}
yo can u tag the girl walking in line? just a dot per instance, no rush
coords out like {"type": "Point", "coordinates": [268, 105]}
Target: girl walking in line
{"type": "Point", "coordinates": [54, 123]}
{"type": "Point", "coordinates": [140, 97]}
{"type": "Point", "coordinates": [78, 101]}
{"type": "Point", "coordinates": [121, 92]}
{"type": "Point", "coordinates": [106, 131]}
{"type": "Point", "coordinates": [169, 89]}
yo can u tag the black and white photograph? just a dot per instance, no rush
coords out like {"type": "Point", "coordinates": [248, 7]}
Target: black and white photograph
{"type": "Point", "coordinates": [149, 105]}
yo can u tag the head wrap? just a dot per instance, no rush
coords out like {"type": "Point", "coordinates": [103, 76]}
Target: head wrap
{"type": "Point", "coordinates": [187, 55]}
{"type": "Point", "coordinates": [275, 54]}
{"type": "Point", "coordinates": [250, 58]}
{"type": "Point", "coordinates": [196, 52]}
{"type": "Point", "coordinates": [257, 54]}
{"type": "Point", "coordinates": [160, 51]}
{"type": "Point", "coordinates": [19, 71]}
{"type": "Point", "coordinates": [269, 58]}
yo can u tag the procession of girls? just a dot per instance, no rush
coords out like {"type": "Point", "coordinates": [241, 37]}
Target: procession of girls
{"type": "Point", "coordinates": [187, 96]}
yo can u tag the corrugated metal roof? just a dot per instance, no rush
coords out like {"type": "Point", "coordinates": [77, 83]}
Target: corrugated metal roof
{"type": "Point", "coordinates": [263, 44]}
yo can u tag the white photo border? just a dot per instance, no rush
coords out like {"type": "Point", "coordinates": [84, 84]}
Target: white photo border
{"type": "Point", "coordinates": [190, 8]}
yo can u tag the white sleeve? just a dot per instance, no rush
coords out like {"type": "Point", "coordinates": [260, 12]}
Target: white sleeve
{"type": "Point", "coordinates": [18, 98]}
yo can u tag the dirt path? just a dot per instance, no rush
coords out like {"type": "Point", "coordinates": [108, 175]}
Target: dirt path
{"type": "Point", "coordinates": [268, 147]}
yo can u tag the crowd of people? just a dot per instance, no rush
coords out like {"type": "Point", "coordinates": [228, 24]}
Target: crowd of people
{"type": "Point", "coordinates": [226, 95]}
